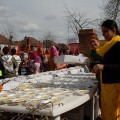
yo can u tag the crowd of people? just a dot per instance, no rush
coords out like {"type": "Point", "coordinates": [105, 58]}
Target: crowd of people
{"type": "Point", "coordinates": [33, 62]}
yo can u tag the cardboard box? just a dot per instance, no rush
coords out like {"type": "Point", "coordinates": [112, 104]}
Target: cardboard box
{"type": "Point", "coordinates": [71, 59]}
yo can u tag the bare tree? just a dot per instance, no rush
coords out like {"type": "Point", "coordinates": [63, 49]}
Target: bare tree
{"type": "Point", "coordinates": [49, 36]}
{"type": "Point", "coordinates": [48, 39]}
{"type": "Point", "coordinates": [76, 21]}
{"type": "Point", "coordinates": [112, 9]}
{"type": "Point", "coordinates": [9, 32]}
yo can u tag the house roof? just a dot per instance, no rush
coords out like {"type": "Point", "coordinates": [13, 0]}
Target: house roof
{"type": "Point", "coordinates": [33, 41]}
{"type": "Point", "coordinates": [3, 40]}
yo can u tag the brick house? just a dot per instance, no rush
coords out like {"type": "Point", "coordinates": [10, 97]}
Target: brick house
{"type": "Point", "coordinates": [27, 40]}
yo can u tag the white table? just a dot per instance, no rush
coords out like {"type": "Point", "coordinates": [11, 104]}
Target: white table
{"type": "Point", "coordinates": [69, 103]}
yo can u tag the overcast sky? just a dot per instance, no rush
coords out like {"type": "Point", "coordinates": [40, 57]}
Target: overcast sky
{"type": "Point", "coordinates": [36, 17]}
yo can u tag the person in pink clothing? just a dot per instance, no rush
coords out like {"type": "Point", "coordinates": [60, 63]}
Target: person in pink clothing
{"type": "Point", "coordinates": [35, 63]}
{"type": "Point", "coordinates": [54, 52]}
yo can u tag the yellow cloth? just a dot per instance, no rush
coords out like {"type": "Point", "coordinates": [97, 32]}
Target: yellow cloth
{"type": "Point", "coordinates": [102, 50]}
{"type": "Point", "coordinates": [0, 73]}
{"type": "Point", "coordinates": [110, 93]}
{"type": "Point", "coordinates": [110, 101]}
